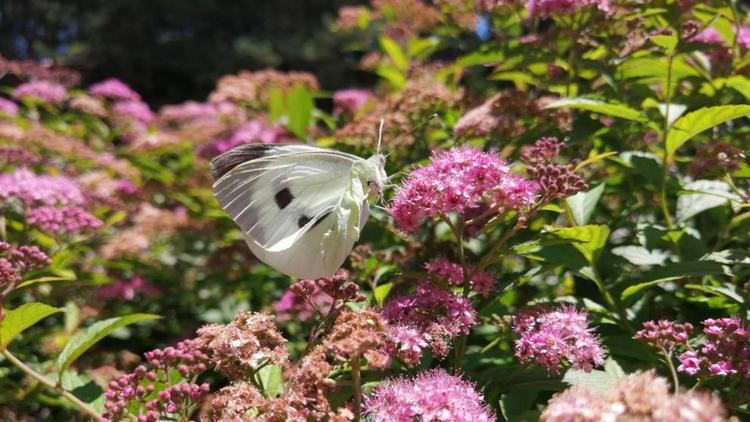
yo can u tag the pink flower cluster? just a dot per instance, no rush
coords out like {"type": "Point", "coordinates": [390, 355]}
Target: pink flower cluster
{"type": "Point", "coordinates": [113, 89]}
{"type": "Point", "coordinates": [429, 317]}
{"type": "Point", "coordinates": [65, 219]}
{"type": "Point", "coordinates": [306, 297]}
{"type": "Point", "coordinates": [350, 100]}
{"type": "Point", "coordinates": [545, 8]}
{"type": "Point", "coordinates": [481, 282]}
{"type": "Point", "coordinates": [136, 111]}
{"type": "Point", "coordinates": [126, 290]}
{"type": "Point", "coordinates": [636, 397]}
{"type": "Point", "coordinates": [8, 107]}
{"type": "Point", "coordinates": [170, 401]}
{"type": "Point", "coordinates": [433, 395]}
{"type": "Point", "coordinates": [552, 338]}
{"type": "Point", "coordinates": [724, 352]}
{"type": "Point", "coordinates": [665, 334]}
{"type": "Point", "coordinates": [16, 262]}
{"type": "Point", "coordinates": [708, 36]}
{"type": "Point", "coordinates": [459, 180]}
{"type": "Point", "coordinates": [251, 132]}
{"type": "Point", "coordinates": [13, 155]}
{"type": "Point", "coordinates": [45, 91]}
{"type": "Point", "coordinates": [33, 189]}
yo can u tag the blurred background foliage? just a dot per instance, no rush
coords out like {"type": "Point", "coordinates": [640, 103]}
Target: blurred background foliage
{"type": "Point", "coordinates": [173, 50]}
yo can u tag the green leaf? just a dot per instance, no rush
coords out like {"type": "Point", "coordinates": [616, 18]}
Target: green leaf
{"type": "Point", "coordinates": [696, 122]}
{"type": "Point", "coordinates": [275, 104]}
{"type": "Point", "coordinates": [610, 109]}
{"type": "Point", "coordinates": [589, 240]}
{"type": "Point", "coordinates": [300, 105]}
{"type": "Point", "coordinates": [395, 52]}
{"type": "Point", "coordinates": [673, 271]}
{"type": "Point", "coordinates": [595, 380]}
{"type": "Point", "coordinates": [45, 279]}
{"type": "Point", "coordinates": [613, 369]}
{"type": "Point", "coordinates": [582, 204]}
{"type": "Point", "coordinates": [91, 335]}
{"type": "Point", "coordinates": [639, 255]}
{"type": "Point", "coordinates": [667, 42]}
{"type": "Point", "coordinates": [740, 84]}
{"type": "Point", "coordinates": [516, 402]}
{"type": "Point", "coordinates": [392, 75]}
{"type": "Point", "coordinates": [381, 292]}
{"type": "Point", "coordinates": [703, 195]}
{"type": "Point", "coordinates": [21, 318]}
{"type": "Point", "coordinates": [271, 379]}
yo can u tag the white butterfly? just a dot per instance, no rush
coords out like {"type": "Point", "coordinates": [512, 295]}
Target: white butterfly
{"type": "Point", "coordinates": [300, 207]}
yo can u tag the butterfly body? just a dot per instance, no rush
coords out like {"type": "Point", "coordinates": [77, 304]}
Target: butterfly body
{"type": "Point", "coordinates": [301, 208]}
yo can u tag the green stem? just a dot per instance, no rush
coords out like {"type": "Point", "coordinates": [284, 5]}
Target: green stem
{"type": "Point", "coordinates": [357, 387]}
{"type": "Point", "coordinates": [84, 407]}
{"type": "Point", "coordinates": [672, 370]}
{"type": "Point", "coordinates": [612, 303]}
{"type": "Point", "coordinates": [665, 162]}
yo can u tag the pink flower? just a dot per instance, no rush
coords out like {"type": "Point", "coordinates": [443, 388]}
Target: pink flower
{"type": "Point", "coordinates": [350, 100]}
{"type": "Point", "coordinates": [708, 36]}
{"type": "Point", "coordinates": [664, 334]}
{"type": "Point", "coordinates": [32, 189]}
{"type": "Point", "coordinates": [65, 219]}
{"type": "Point", "coordinates": [724, 352]}
{"type": "Point", "coordinates": [45, 91]}
{"type": "Point", "coordinates": [8, 107]}
{"type": "Point", "coordinates": [127, 290]}
{"type": "Point", "coordinates": [188, 111]}
{"type": "Point", "coordinates": [432, 395]}
{"type": "Point", "coordinates": [251, 132]}
{"type": "Point", "coordinates": [459, 180]}
{"type": "Point", "coordinates": [481, 282]}
{"type": "Point", "coordinates": [137, 111]}
{"type": "Point", "coordinates": [552, 338]}
{"type": "Point", "coordinates": [113, 89]}
{"type": "Point", "coordinates": [429, 316]}
{"type": "Point", "coordinates": [743, 37]}
{"type": "Point", "coordinates": [293, 306]}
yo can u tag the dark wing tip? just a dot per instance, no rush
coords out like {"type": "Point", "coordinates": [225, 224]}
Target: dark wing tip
{"type": "Point", "coordinates": [225, 162]}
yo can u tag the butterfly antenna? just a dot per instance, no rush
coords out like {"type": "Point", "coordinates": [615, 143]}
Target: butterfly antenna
{"type": "Point", "coordinates": [380, 134]}
{"type": "Point", "coordinates": [419, 125]}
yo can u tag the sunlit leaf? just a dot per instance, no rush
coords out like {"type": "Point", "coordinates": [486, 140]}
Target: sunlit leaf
{"type": "Point", "coordinates": [700, 120]}
{"type": "Point", "coordinates": [610, 109]}
{"type": "Point", "coordinates": [17, 320]}
{"type": "Point", "coordinates": [92, 334]}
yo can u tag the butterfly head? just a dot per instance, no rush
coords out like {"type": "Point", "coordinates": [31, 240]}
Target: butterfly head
{"type": "Point", "coordinates": [374, 174]}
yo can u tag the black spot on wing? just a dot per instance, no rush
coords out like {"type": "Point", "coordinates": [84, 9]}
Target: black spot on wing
{"type": "Point", "coordinates": [225, 162]}
{"type": "Point", "coordinates": [283, 198]}
{"type": "Point", "coordinates": [303, 220]}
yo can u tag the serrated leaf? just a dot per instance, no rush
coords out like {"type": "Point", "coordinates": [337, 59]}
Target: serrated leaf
{"type": "Point", "coordinates": [589, 239]}
{"type": "Point", "coordinates": [395, 52]}
{"type": "Point", "coordinates": [514, 403]}
{"type": "Point", "coordinates": [381, 292]}
{"type": "Point", "coordinates": [271, 379]}
{"type": "Point", "coordinates": [639, 255]}
{"type": "Point", "coordinates": [672, 271]}
{"type": "Point", "coordinates": [700, 120]}
{"type": "Point", "coordinates": [610, 109]}
{"type": "Point", "coordinates": [582, 204]}
{"type": "Point", "coordinates": [740, 84]}
{"type": "Point", "coordinates": [300, 106]}
{"type": "Point", "coordinates": [19, 319]}
{"type": "Point", "coordinates": [84, 340]}
{"type": "Point", "coordinates": [595, 380]}
{"type": "Point", "coordinates": [613, 369]}
{"type": "Point", "coordinates": [704, 195]}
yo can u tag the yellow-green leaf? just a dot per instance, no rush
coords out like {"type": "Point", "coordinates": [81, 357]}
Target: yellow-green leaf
{"type": "Point", "coordinates": [92, 334]}
{"type": "Point", "coordinates": [21, 318]}
{"type": "Point", "coordinates": [610, 109]}
{"type": "Point", "coordinates": [696, 122]}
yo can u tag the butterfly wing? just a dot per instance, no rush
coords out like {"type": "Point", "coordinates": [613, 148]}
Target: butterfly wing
{"type": "Point", "coordinates": [301, 208]}
{"type": "Point", "coordinates": [277, 197]}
